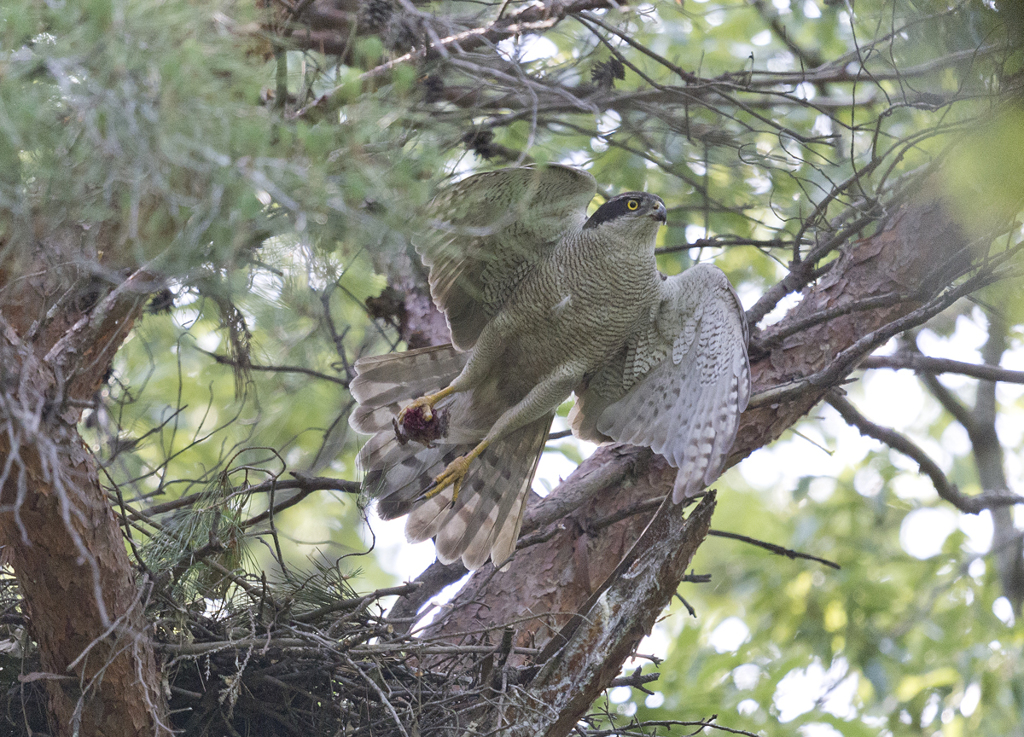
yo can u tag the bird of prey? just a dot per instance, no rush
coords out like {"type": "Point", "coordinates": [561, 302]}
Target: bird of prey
{"type": "Point", "coordinates": [543, 302]}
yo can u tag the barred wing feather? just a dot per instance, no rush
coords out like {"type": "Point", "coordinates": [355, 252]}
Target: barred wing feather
{"type": "Point", "coordinates": [687, 406]}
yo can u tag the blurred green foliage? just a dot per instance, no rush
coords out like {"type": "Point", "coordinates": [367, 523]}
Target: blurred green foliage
{"type": "Point", "coordinates": [157, 121]}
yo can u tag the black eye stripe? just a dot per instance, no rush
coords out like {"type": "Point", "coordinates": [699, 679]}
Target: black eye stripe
{"type": "Point", "coordinates": [625, 204]}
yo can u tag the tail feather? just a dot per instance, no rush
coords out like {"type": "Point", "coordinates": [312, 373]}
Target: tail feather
{"type": "Point", "coordinates": [503, 542]}
{"type": "Point", "coordinates": [428, 517]}
{"type": "Point", "coordinates": [500, 542]}
{"type": "Point", "coordinates": [396, 474]}
{"type": "Point", "coordinates": [485, 520]}
{"type": "Point", "coordinates": [385, 384]}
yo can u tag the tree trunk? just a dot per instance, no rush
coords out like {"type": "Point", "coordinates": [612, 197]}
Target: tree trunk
{"type": "Point", "coordinates": [60, 326]}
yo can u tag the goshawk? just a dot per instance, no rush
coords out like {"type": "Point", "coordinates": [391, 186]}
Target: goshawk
{"type": "Point", "coordinates": [543, 302]}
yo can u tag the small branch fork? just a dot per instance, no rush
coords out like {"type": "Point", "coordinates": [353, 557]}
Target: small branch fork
{"type": "Point", "coordinates": [635, 680]}
{"type": "Point", "coordinates": [896, 441]}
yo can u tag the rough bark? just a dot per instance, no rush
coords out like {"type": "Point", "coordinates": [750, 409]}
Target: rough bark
{"type": "Point", "coordinates": [569, 682]}
{"type": "Point", "coordinates": [60, 325]}
{"type": "Point", "coordinates": [913, 257]}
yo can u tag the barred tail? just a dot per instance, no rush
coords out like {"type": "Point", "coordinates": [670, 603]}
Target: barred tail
{"type": "Point", "coordinates": [385, 384]}
{"type": "Point", "coordinates": [485, 519]}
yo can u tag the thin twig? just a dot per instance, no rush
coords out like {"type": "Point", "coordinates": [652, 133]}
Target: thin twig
{"type": "Point", "coordinates": [896, 441]}
{"type": "Point", "coordinates": [772, 547]}
{"type": "Point", "coordinates": [928, 365]}
{"type": "Point", "coordinates": [844, 362]}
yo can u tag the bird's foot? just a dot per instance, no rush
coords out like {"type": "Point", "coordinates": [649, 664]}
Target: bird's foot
{"type": "Point", "coordinates": [419, 422]}
{"type": "Point", "coordinates": [422, 408]}
{"type": "Point", "coordinates": [453, 476]}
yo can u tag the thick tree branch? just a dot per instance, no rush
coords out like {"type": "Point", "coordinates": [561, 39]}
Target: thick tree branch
{"type": "Point", "coordinates": [570, 682]}
{"type": "Point", "coordinates": [949, 402]}
{"type": "Point", "coordinates": [1007, 540]}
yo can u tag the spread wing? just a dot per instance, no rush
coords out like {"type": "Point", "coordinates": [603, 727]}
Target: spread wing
{"type": "Point", "coordinates": [487, 232]}
{"type": "Point", "coordinates": [680, 385]}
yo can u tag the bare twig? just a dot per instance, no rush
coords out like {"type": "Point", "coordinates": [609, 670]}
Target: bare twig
{"type": "Point", "coordinates": [946, 490]}
{"type": "Point", "coordinates": [796, 326]}
{"type": "Point", "coordinates": [928, 365]}
{"type": "Point", "coordinates": [305, 484]}
{"type": "Point", "coordinates": [777, 549]}
{"type": "Point", "coordinates": [531, 18]}
{"type": "Point", "coordinates": [357, 604]}
{"type": "Point", "coordinates": [841, 366]}
{"type": "Point", "coordinates": [283, 369]}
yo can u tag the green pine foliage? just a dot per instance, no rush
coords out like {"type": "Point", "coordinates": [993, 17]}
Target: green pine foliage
{"type": "Point", "coordinates": [159, 125]}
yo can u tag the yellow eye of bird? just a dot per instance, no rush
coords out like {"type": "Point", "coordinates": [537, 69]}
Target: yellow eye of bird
{"type": "Point", "coordinates": [632, 204]}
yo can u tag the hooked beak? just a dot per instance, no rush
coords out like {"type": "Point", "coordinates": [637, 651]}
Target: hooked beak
{"type": "Point", "coordinates": [659, 213]}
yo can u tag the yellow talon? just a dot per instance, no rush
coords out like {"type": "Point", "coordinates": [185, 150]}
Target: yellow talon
{"type": "Point", "coordinates": [422, 402]}
{"type": "Point", "coordinates": [454, 474]}
{"type": "Point", "coordinates": [425, 404]}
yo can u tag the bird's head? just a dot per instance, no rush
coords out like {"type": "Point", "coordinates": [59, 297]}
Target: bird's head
{"type": "Point", "coordinates": [632, 210]}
